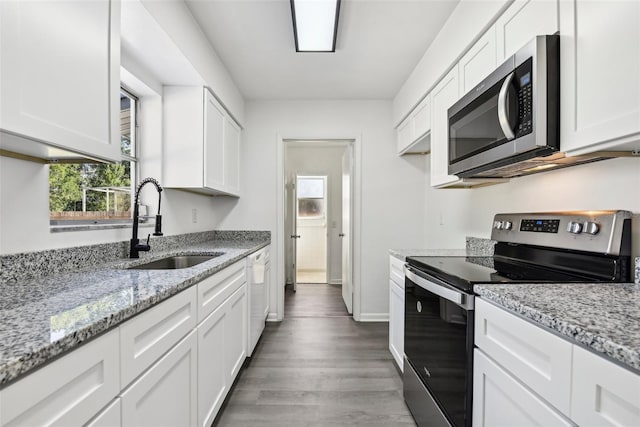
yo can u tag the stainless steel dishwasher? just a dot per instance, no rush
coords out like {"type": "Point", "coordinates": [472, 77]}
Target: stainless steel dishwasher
{"type": "Point", "coordinates": [257, 267]}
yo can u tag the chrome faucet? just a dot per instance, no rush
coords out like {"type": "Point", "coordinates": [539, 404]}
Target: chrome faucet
{"type": "Point", "coordinates": [136, 246]}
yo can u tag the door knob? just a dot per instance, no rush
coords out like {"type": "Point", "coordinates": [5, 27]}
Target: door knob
{"type": "Point", "coordinates": [341, 235]}
{"type": "Point", "coordinates": [293, 236]}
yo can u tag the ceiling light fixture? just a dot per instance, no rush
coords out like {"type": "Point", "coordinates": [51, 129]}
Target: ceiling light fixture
{"type": "Point", "coordinates": [315, 24]}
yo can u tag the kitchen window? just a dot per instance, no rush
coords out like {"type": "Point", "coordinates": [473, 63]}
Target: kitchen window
{"type": "Point", "coordinates": [97, 193]}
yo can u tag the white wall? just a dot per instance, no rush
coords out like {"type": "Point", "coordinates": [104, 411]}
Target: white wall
{"type": "Point", "coordinates": [321, 161]}
{"type": "Point", "coordinates": [178, 22]}
{"type": "Point", "coordinates": [392, 187]}
{"type": "Point", "coordinates": [610, 184]}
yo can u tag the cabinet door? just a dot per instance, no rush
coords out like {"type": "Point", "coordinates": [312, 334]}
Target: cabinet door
{"type": "Point", "coordinates": [537, 357]}
{"type": "Point", "coordinates": [522, 21]}
{"type": "Point", "coordinates": [443, 96]}
{"type": "Point", "coordinates": [166, 394]}
{"type": "Point", "coordinates": [404, 134]}
{"type": "Point", "coordinates": [603, 394]}
{"type": "Point", "coordinates": [236, 335]}
{"type": "Point", "coordinates": [478, 62]}
{"type": "Point", "coordinates": [68, 391]}
{"type": "Point", "coordinates": [212, 372]}
{"type": "Point", "coordinates": [60, 79]}
{"type": "Point", "coordinates": [396, 323]}
{"type": "Point", "coordinates": [421, 118]}
{"type": "Point", "coordinates": [149, 335]}
{"type": "Point", "coordinates": [501, 400]}
{"type": "Point", "coordinates": [600, 65]}
{"type": "Point", "coordinates": [214, 142]}
{"type": "Point", "coordinates": [231, 156]}
{"type": "Point", "coordinates": [109, 417]}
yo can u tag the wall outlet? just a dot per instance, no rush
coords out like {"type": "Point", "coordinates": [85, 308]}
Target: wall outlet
{"type": "Point", "coordinates": [194, 215]}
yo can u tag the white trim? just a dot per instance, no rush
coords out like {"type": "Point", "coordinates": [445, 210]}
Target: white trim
{"type": "Point", "coordinates": [356, 215]}
{"type": "Point", "coordinates": [374, 317]}
{"type": "Point", "coordinates": [335, 282]}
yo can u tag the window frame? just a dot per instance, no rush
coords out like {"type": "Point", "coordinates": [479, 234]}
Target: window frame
{"type": "Point", "coordinates": [83, 223]}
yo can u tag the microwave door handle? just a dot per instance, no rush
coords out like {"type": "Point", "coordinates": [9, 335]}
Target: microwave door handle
{"type": "Point", "coordinates": [503, 117]}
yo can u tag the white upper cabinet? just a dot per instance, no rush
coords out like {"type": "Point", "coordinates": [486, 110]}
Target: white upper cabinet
{"type": "Point", "coordinates": [201, 142]}
{"type": "Point", "coordinates": [60, 78]}
{"type": "Point", "coordinates": [600, 69]}
{"type": "Point", "coordinates": [478, 62]}
{"type": "Point", "coordinates": [413, 132]}
{"type": "Point", "coordinates": [522, 21]}
{"type": "Point", "coordinates": [443, 96]}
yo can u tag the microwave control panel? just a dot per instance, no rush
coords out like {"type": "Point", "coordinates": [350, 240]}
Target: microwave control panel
{"type": "Point", "coordinates": [524, 83]}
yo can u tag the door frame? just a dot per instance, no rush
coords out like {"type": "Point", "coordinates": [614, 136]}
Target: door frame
{"type": "Point", "coordinates": [354, 143]}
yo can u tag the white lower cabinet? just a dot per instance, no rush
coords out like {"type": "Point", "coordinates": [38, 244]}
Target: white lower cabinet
{"type": "Point", "coordinates": [165, 395]}
{"type": "Point", "coordinates": [222, 349]}
{"type": "Point", "coordinates": [540, 359]}
{"type": "Point", "coordinates": [396, 310]}
{"type": "Point", "coordinates": [109, 417]}
{"type": "Point", "coordinates": [160, 368]}
{"type": "Point", "coordinates": [212, 372]}
{"type": "Point", "coordinates": [501, 400]}
{"type": "Point", "coordinates": [526, 376]}
{"type": "Point", "coordinates": [603, 394]}
{"type": "Point", "coordinates": [235, 343]}
{"type": "Point", "coordinates": [69, 391]}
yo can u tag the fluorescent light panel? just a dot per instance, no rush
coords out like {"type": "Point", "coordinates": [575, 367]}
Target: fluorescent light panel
{"type": "Point", "coordinates": [315, 24]}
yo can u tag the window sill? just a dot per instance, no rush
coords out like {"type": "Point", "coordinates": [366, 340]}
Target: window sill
{"type": "Point", "coordinates": [88, 227]}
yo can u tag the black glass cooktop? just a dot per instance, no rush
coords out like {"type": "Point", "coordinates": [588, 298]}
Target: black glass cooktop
{"type": "Point", "coordinates": [464, 272]}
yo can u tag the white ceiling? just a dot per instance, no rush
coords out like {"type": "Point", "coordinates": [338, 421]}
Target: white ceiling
{"type": "Point", "coordinates": [379, 44]}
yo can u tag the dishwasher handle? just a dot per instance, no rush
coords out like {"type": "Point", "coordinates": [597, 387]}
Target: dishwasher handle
{"type": "Point", "coordinates": [455, 296]}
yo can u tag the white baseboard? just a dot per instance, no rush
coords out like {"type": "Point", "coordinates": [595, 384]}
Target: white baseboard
{"type": "Point", "coordinates": [374, 317]}
{"type": "Point", "coordinates": [272, 317]}
{"type": "Point", "coordinates": [335, 282]}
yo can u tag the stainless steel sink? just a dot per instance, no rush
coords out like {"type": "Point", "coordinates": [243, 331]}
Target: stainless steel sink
{"type": "Point", "coordinates": [175, 262]}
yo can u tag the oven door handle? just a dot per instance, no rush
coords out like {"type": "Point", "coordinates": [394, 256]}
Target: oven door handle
{"type": "Point", "coordinates": [457, 297]}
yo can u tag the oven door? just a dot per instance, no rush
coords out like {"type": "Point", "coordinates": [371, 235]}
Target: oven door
{"type": "Point", "coordinates": [438, 344]}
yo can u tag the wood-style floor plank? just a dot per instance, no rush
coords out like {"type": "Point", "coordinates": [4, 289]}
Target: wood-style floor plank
{"type": "Point", "coordinates": [317, 370]}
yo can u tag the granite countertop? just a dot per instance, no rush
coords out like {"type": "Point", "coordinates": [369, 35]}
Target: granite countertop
{"type": "Point", "coordinates": [45, 317]}
{"type": "Point", "coordinates": [602, 317]}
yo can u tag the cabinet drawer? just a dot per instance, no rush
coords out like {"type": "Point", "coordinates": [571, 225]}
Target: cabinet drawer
{"type": "Point", "coordinates": [603, 393]}
{"type": "Point", "coordinates": [145, 338]}
{"type": "Point", "coordinates": [213, 290]}
{"type": "Point", "coordinates": [539, 358]}
{"type": "Point", "coordinates": [69, 391]}
{"type": "Point", "coordinates": [109, 417]}
{"type": "Point", "coordinates": [396, 271]}
{"type": "Point", "coordinates": [501, 400]}
{"type": "Point", "coordinates": [166, 394]}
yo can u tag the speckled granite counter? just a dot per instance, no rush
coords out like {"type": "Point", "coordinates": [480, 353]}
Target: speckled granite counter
{"type": "Point", "coordinates": [474, 247]}
{"type": "Point", "coordinates": [47, 316]}
{"type": "Point", "coordinates": [604, 317]}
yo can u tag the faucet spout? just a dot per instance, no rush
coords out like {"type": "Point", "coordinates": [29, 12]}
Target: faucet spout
{"type": "Point", "coordinates": [135, 246]}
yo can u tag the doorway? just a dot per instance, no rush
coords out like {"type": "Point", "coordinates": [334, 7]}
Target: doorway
{"type": "Point", "coordinates": [314, 231]}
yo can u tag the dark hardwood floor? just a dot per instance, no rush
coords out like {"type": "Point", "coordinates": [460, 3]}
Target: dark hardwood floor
{"type": "Point", "coordinates": [318, 367]}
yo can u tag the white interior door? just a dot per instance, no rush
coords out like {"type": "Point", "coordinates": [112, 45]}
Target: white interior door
{"type": "Point", "coordinates": [346, 234]}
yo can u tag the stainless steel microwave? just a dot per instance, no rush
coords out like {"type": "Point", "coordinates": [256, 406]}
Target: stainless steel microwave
{"type": "Point", "coordinates": [510, 121]}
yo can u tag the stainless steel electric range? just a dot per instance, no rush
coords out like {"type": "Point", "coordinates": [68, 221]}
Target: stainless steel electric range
{"type": "Point", "coordinates": [558, 247]}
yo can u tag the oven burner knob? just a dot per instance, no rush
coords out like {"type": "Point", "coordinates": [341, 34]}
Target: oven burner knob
{"type": "Point", "coordinates": [591, 227]}
{"type": "Point", "coordinates": [497, 225]}
{"type": "Point", "coordinates": [507, 225]}
{"type": "Point", "coordinates": [574, 227]}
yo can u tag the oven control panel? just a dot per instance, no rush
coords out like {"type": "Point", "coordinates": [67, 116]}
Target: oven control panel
{"type": "Point", "coordinates": [540, 225]}
{"type": "Point", "coordinates": [594, 231]}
